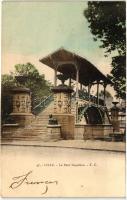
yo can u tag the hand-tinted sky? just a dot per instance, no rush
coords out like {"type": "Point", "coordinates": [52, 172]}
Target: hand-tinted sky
{"type": "Point", "coordinates": [34, 29]}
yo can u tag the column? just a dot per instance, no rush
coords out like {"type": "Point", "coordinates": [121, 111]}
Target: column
{"type": "Point", "coordinates": [55, 77]}
{"type": "Point", "coordinates": [97, 92]}
{"type": "Point", "coordinates": [80, 86]}
{"type": "Point", "coordinates": [115, 117]}
{"type": "Point", "coordinates": [104, 93]}
{"type": "Point", "coordinates": [70, 82]}
{"type": "Point", "coordinates": [77, 80]}
{"type": "Point", "coordinates": [89, 86]}
{"type": "Point", "coordinates": [104, 98]}
{"type": "Point", "coordinates": [77, 95]}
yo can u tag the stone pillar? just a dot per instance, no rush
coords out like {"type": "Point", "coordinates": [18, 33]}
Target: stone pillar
{"type": "Point", "coordinates": [114, 117]}
{"type": "Point", "coordinates": [22, 106]}
{"type": "Point", "coordinates": [54, 131]}
{"type": "Point", "coordinates": [62, 110]}
{"type": "Point", "coordinates": [62, 99]}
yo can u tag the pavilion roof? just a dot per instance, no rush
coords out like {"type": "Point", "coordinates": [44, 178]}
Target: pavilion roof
{"type": "Point", "coordinates": [66, 60]}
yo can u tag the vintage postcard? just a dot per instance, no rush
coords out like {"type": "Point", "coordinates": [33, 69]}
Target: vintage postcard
{"type": "Point", "coordinates": [63, 98]}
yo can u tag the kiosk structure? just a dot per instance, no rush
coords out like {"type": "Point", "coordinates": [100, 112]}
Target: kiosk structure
{"type": "Point", "coordinates": [79, 114]}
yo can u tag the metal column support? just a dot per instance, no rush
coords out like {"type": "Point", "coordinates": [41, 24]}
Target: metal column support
{"type": "Point", "coordinates": [70, 81]}
{"type": "Point", "coordinates": [89, 87]}
{"type": "Point", "coordinates": [77, 80]}
{"type": "Point", "coordinates": [104, 100]}
{"type": "Point", "coordinates": [80, 86]}
{"type": "Point", "coordinates": [77, 94]}
{"type": "Point", "coordinates": [104, 93]}
{"type": "Point", "coordinates": [97, 92]}
{"type": "Point", "coordinates": [55, 77]}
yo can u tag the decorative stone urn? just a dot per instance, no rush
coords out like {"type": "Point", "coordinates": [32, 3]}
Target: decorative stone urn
{"type": "Point", "coordinates": [62, 108]}
{"type": "Point", "coordinates": [21, 103]}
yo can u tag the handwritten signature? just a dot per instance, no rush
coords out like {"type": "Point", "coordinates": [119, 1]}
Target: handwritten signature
{"type": "Point", "coordinates": [18, 181]}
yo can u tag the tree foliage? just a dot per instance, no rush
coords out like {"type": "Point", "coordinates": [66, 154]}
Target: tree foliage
{"type": "Point", "coordinates": [36, 82]}
{"type": "Point", "coordinates": [40, 88]}
{"type": "Point", "coordinates": [107, 94]}
{"type": "Point", "coordinates": [107, 24]}
{"type": "Point", "coordinates": [7, 83]}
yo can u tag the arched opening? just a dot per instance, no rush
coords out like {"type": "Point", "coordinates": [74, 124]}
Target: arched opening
{"type": "Point", "coordinates": [93, 115]}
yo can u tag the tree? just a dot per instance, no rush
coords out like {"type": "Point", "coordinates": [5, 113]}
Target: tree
{"type": "Point", "coordinates": [107, 24]}
{"type": "Point", "coordinates": [39, 87]}
{"type": "Point", "coordinates": [7, 83]}
{"type": "Point", "coordinates": [35, 82]}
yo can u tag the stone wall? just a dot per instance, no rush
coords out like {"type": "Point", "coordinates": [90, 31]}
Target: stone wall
{"type": "Point", "coordinates": [79, 132]}
{"type": "Point", "coordinates": [24, 119]}
{"type": "Point", "coordinates": [92, 131]}
{"type": "Point", "coordinates": [14, 132]}
{"type": "Point", "coordinates": [67, 122]}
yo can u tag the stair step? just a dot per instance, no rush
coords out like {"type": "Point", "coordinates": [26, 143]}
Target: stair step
{"type": "Point", "coordinates": [37, 129]}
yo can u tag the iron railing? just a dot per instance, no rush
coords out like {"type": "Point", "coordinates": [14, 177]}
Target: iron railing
{"type": "Point", "coordinates": [82, 96]}
{"type": "Point", "coordinates": [42, 105]}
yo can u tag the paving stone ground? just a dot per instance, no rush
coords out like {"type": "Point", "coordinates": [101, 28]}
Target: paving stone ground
{"type": "Point", "coordinates": [80, 144]}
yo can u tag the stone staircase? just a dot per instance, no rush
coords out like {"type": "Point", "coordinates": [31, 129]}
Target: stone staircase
{"type": "Point", "coordinates": [35, 131]}
{"type": "Point", "coordinates": [39, 124]}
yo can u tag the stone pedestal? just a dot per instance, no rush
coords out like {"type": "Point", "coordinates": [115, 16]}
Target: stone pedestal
{"type": "Point", "coordinates": [67, 122]}
{"type": "Point", "coordinates": [62, 109]}
{"type": "Point", "coordinates": [62, 99]}
{"type": "Point", "coordinates": [23, 119]}
{"type": "Point", "coordinates": [116, 125]}
{"type": "Point", "coordinates": [22, 106]}
{"type": "Point", "coordinates": [54, 131]}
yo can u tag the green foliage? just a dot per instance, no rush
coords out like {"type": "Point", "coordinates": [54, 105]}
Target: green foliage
{"type": "Point", "coordinates": [7, 83]}
{"type": "Point", "coordinates": [35, 82]}
{"type": "Point", "coordinates": [107, 24]}
{"type": "Point", "coordinates": [107, 94]}
{"type": "Point", "coordinates": [40, 88]}
{"type": "Point", "coordinates": [119, 75]}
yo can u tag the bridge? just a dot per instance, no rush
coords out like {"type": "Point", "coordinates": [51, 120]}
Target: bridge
{"type": "Point", "coordinates": [80, 114]}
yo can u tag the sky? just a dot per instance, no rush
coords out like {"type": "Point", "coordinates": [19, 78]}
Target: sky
{"type": "Point", "coordinates": [32, 30]}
